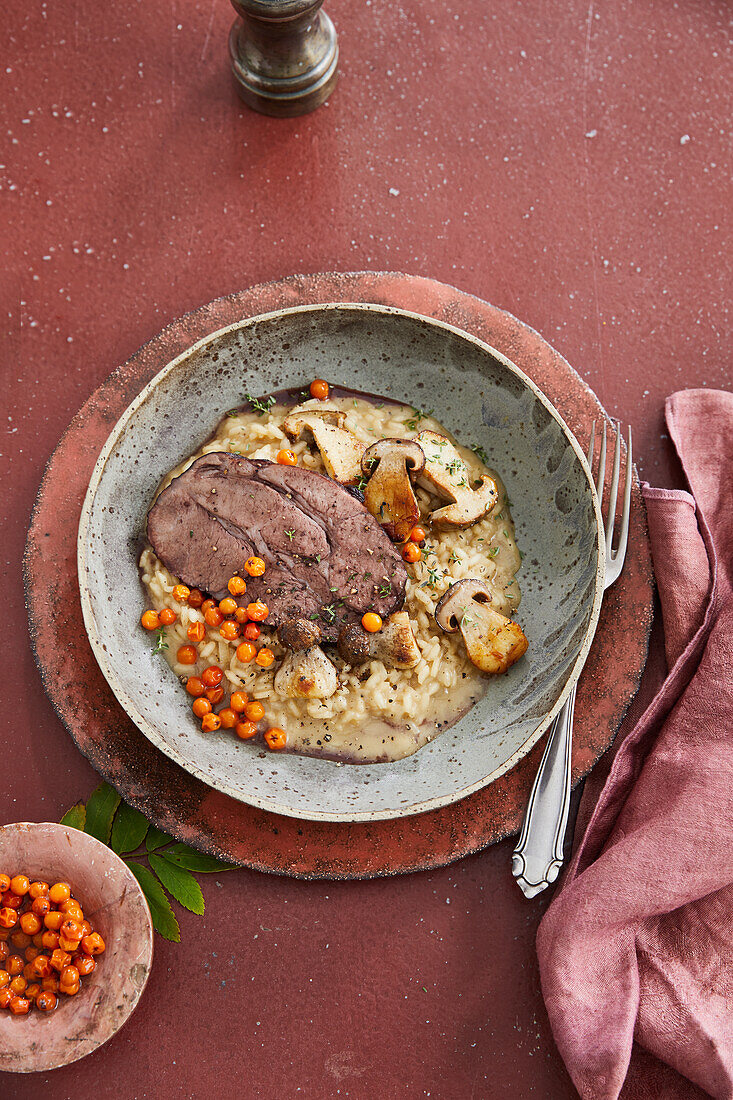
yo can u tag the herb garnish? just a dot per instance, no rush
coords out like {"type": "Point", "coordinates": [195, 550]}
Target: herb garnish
{"type": "Point", "coordinates": [260, 407]}
{"type": "Point", "coordinates": [413, 422]}
{"type": "Point", "coordinates": [291, 534]}
{"type": "Point", "coordinates": [481, 453]}
{"type": "Point", "coordinates": [161, 643]}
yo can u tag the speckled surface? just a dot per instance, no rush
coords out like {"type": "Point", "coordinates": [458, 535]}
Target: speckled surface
{"type": "Point", "coordinates": [180, 803]}
{"type": "Point", "coordinates": [138, 187]}
{"type": "Point", "coordinates": [113, 901]}
{"type": "Point", "coordinates": [480, 397]}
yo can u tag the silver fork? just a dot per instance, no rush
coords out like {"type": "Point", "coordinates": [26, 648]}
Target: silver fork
{"type": "Point", "coordinates": [538, 856]}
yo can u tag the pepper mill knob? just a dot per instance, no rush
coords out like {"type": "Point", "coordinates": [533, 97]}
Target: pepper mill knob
{"type": "Point", "coordinates": [284, 55]}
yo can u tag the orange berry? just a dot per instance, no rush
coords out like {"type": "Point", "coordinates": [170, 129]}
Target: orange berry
{"type": "Point", "coordinates": [69, 990]}
{"type": "Point", "coordinates": [201, 707]}
{"type": "Point", "coordinates": [14, 965]}
{"type": "Point", "coordinates": [150, 620]}
{"type": "Point", "coordinates": [245, 730]}
{"type": "Point", "coordinates": [50, 983]}
{"type": "Point", "coordinates": [212, 676]}
{"type": "Point", "coordinates": [41, 905]}
{"type": "Point", "coordinates": [237, 586]}
{"type": "Point", "coordinates": [167, 616]}
{"type": "Point", "coordinates": [11, 900]}
{"type": "Point", "coordinates": [241, 615]}
{"type": "Point", "coordinates": [41, 966]}
{"type": "Point", "coordinates": [206, 604]}
{"type": "Point", "coordinates": [215, 695]}
{"type": "Point", "coordinates": [53, 920]}
{"type": "Point", "coordinates": [32, 991]}
{"type": "Point", "coordinates": [19, 1006]}
{"type": "Point", "coordinates": [265, 657]}
{"type": "Point", "coordinates": [38, 890]}
{"type": "Point", "coordinates": [19, 985]}
{"type": "Point", "coordinates": [229, 630]}
{"type": "Point", "coordinates": [85, 964]}
{"type": "Point", "coordinates": [68, 945]}
{"type": "Point", "coordinates": [196, 632]}
{"type": "Point", "coordinates": [6, 997]}
{"type": "Point", "coordinates": [209, 724]}
{"type": "Point", "coordinates": [37, 941]}
{"type": "Point", "coordinates": [30, 923]}
{"type": "Point", "coordinates": [50, 939]}
{"type": "Point", "coordinates": [246, 652]}
{"type": "Point", "coordinates": [286, 458]}
{"type": "Point", "coordinates": [69, 975]}
{"type": "Point", "coordinates": [21, 940]}
{"type": "Point", "coordinates": [4, 883]}
{"type": "Point", "coordinates": [417, 534]}
{"type": "Point", "coordinates": [59, 959]}
{"type": "Point", "coordinates": [238, 701]}
{"type": "Point", "coordinates": [371, 622]}
{"type": "Point", "coordinates": [251, 632]}
{"type": "Point", "coordinates": [20, 885]}
{"type": "Point", "coordinates": [228, 605]}
{"type": "Point", "coordinates": [187, 655]}
{"type": "Point", "coordinates": [213, 617]}
{"type": "Point", "coordinates": [276, 739]}
{"type": "Point", "coordinates": [4, 979]}
{"type": "Point", "coordinates": [46, 1001]}
{"type": "Point", "coordinates": [8, 916]}
{"type": "Point", "coordinates": [255, 566]}
{"type": "Point", "coordinates": [195, 686]}
{"type": "Point", "coordinates": [411, 552]}
{"type": "Point", "coordinates": [195, 597]}
{"type": "Point", "coordinates": [72, 909]}
{"type": "Point", "coordinates": [258, 611]}
{"type": "Point", "coordinates": [86, 927]}
{"type": "Point", "coordinates": [228, 718]}
{"type": "Point", "coordinates": [319, 389]}
{"type": "Point", "coordinates": [181, 592]}
{"type": "Point", "coordinates": [72, 930]}
{"type": "Point", "coordinates": [254, 711]}
{"type": "Point", "coordinates": [32, 953]}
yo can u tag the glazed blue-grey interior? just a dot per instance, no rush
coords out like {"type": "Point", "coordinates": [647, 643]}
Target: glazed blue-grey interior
{"type": "Point", "coordinates": [479, 397]}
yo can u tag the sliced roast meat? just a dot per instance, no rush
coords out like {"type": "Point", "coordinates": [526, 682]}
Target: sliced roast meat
{"type": "Point", "coordinates": [327, 558]}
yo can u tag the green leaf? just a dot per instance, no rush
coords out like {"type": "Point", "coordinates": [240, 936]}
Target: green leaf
{"type": "Point", "coordinates": [101, 808]}
{"type": "Point", "coordinates": [75, 817]}
{"type": "Point", "coordinates": [164, 920]}
{"type": "Point", "coordinates": [156, 839]}
{"type": "Point", "coordinates": [192, 860]}
{"type": "Point", "coordinates": [128, 829]}
{"type": "Point", "coordinates": [181, 884]}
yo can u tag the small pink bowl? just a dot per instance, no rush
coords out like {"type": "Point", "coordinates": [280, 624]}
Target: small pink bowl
{"type": "Point", "coordinates": [113, 901]}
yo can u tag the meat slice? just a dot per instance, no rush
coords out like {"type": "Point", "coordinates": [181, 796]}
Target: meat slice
{"type": "Point", "coordinates": [327, 558]}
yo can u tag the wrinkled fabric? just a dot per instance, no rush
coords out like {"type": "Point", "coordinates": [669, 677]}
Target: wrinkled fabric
{"type": "Point", "coordinates": [636, 949]}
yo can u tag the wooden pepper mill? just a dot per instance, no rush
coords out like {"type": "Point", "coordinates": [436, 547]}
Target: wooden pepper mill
{"type": "Point", "coordinates": [284, 55]}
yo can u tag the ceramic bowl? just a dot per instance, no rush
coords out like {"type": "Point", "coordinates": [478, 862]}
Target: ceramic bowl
{"type": "Point", "coordinates": [115, 905]}
{"type": "Point", "coordinates": [481, 397]}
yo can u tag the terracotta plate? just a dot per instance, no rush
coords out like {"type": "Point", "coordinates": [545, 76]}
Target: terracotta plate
{"type": "Point", "coordinates": [212, 820]}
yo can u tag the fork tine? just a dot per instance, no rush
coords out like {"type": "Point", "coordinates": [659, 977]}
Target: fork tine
{"type": "Point", "coordinates": [613, 491]}
{"type": "Point", "coordinates": [624, 532]}
{"type": "Point", "coordinates": [601, 477]}
{"type": "Point", "coordinates": [591, 445]}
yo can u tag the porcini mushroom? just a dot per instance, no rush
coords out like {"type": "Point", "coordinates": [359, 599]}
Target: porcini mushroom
{"type": "Point", "coordinates": [394, 645]}
{"type": "Point", "coordinates": [492, 641]}
{"type": "Point", "coordinates": [306, 672]}
{"type": "Point", "coordinates": [389, 495]}
{"type": "Point", "coordinates": [446, 474]}
{"type": "Point", "coordinates": [340, 450]}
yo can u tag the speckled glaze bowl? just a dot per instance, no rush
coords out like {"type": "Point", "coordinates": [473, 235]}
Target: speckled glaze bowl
{"type": "Point", "coordinates": [114, 903]}
{"type": "Point", "coordinates": [481, 397]}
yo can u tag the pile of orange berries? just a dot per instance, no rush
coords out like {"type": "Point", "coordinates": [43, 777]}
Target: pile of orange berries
{"type": "Point", "coordinates": [57, 942]}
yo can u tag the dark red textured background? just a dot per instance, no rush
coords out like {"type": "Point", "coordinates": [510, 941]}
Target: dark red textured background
{"type": "Point", "coordinates": [569, 162]}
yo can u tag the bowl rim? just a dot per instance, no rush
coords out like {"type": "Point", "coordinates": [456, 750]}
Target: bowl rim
{"type": "Point", "coordinates": [75, 1054]}
{"type": "Point", "coordinates": [102, 657]}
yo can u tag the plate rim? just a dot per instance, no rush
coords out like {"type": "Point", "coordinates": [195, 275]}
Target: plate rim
{"type": "Point", "coordinates": [169, 750]}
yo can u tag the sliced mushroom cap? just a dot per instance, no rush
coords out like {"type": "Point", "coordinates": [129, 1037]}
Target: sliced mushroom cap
{"type": "Point", "coordinates": [492, 641]}
{"type": "Point", "coordinates": [389, 495]}
{"type": "Point", "coordinates": [394, 645]}
{"type": "Point", "coordinates": [446, 474]}
{"type": "Point", "coordinates": [340, 450]}
{"type": "Point", "coordinates": [306, 672]}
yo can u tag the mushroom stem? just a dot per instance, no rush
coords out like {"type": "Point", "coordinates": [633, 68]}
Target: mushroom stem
{"type": "Point", "coordinates": [389, 495]}
{"type": "Point", "coordinates": [306, 672]}
{"type": "Point", "coordinates": [492, 641]}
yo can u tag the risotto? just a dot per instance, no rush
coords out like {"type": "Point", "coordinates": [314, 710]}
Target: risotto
{"type": "Point", "coordinates": [376, 712]}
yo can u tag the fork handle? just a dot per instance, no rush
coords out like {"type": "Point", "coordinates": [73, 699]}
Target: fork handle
{"type": "Point", "coordinates": [538, 856]}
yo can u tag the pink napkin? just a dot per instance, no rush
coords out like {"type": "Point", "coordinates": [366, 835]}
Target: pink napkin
{"type": "Point", "coordinates": [636, 949]}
